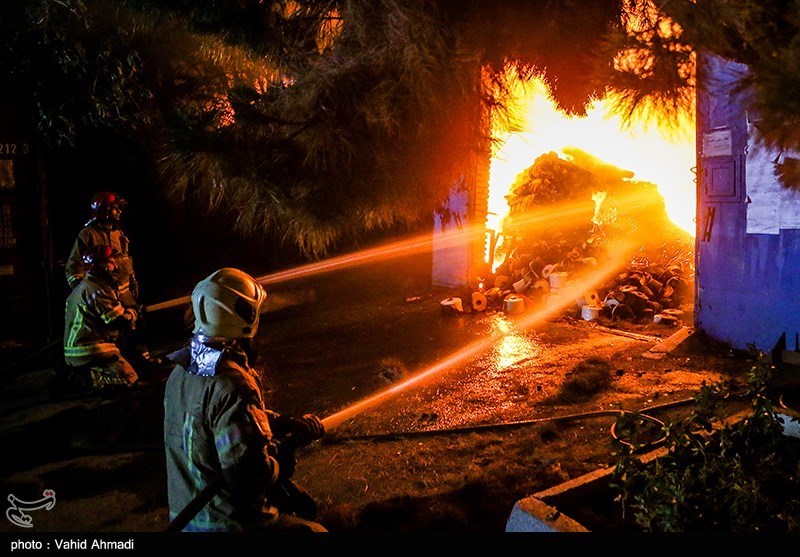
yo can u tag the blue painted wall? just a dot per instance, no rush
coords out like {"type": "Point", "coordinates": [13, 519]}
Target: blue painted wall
{"type": "Point", "coordinates": [747, 283]}
{"type": "Point", "coordinates": [451, 248]}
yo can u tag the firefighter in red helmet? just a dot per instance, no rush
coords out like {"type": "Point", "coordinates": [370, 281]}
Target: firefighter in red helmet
{"type": "Point", "coordinates": [95, 320]}
{"type": "Point", "coordinates": [104, 228]}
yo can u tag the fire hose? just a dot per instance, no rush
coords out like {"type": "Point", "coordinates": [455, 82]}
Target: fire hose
{"type": "Point", "coordinates": [208, 493]}
{"type": "Point", "coordinates": [175, 302]}
{"type": "Point", "coordinates": [194, 506]}
{"type": "Point", "coordinates": [48, 346]}
{"type": "Point", "coordinates": [204, 497]}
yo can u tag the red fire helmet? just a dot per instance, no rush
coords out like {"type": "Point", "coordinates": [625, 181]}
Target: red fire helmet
{"type": "Point", "coordinates": [98, 256]}
{"type": "Point", "coordinates": [103, 203]}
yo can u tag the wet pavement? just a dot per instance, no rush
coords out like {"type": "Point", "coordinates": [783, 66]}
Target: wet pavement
{"type": "Point", "coordinates": [382, 331]}
{"type": "Point", "coordinates": [330, 343]}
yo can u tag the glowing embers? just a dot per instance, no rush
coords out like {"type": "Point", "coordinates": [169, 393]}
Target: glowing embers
{"type": "Point", "coordinates": [562, 225]}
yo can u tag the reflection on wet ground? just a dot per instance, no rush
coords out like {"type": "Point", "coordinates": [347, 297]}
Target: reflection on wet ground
{"type": "Point", "coordinates": [450, 370]}
{"type": "Point", "coordinates": [365, 331]}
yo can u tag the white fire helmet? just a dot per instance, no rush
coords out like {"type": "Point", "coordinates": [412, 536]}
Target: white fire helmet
{"type": "Point", "coordinates": [227, 304]}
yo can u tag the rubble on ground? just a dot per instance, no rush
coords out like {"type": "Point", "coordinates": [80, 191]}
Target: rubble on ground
{"type": "Point", "coordinates": [593, 204]}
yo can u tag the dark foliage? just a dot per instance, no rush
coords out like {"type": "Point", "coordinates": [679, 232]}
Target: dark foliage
{"type": "Point", "coordinates": [766, 37]}
{"type": "Point", "coordinates": [320, 121]}
{"type": "Point", "coordinates": [748, 465]}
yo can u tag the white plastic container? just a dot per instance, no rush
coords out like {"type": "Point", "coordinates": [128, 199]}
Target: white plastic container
{"type": "Point", "coordinates": [590, 313]}
{"type": "Point", "coordinates": [558, 280]}
{"type": "Point", "coordinates": [514, 304]}
{"type": "Point", "coordinates": [452, 304]}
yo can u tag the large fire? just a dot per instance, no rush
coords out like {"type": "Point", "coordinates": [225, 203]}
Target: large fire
{"type": "Point", "coordinates": [662, 155]}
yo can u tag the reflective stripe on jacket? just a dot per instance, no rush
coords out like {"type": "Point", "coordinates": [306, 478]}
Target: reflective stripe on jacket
{"type": "Point", "coordinates": [91, 308]}
{"type": "Point", "coordinates": [214, 423]}
{"type": "Point", "coordinates": [96, 233]}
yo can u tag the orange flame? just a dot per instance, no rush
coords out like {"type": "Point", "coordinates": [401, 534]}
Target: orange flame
{"type": "Point", "coordinates": [660, 154]}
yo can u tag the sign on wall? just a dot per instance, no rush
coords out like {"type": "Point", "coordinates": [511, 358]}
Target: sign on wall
{"type": "Point", "coordinates": [717, 143]}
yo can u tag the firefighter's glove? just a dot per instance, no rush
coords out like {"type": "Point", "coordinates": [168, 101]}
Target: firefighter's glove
{"type": "Point", "coordinates": [305, 429]}
{"type": "Point", "coordinates": [131, 317]}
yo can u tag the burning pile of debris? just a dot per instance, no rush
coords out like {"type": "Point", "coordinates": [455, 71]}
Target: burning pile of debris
{"type": "Point", "coordinates": [564, 215]}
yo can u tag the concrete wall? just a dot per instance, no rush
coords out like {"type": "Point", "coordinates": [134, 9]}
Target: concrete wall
{"type": "Point", "coordinates": [748, 226]}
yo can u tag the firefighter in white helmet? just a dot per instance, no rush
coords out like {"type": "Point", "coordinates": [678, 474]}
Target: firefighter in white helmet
{"type": "Point", "coordinates": [216, 424]}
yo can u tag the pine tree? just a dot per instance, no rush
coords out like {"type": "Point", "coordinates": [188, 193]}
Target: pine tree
{"type": "Point", "coordinates": [322, 120]}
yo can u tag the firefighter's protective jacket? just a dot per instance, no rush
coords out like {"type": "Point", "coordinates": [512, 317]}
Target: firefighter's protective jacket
{"type": "Point", "coordinates": [95, 233]}
{"type": "Point", "coordinates": [90, 331]}
{"type": "Point", "coordinates": [215, 423]}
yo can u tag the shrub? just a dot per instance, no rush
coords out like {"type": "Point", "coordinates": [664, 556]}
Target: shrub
{"type": "Point", "coordinates": [721, 476]}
